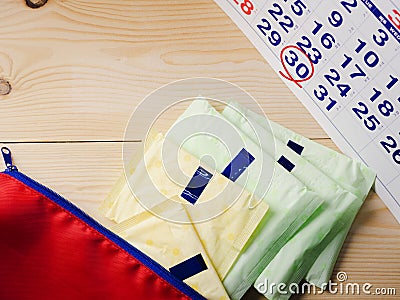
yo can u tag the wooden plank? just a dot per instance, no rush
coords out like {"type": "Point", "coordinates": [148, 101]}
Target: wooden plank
{"type": "Point", "coordinates": [85, 172]}
{"type": "Point", "coordinates": [79, 68]}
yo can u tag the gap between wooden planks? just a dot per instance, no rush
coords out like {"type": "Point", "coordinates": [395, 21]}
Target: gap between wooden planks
{"type": "Point", "coordinates": [79, 68]}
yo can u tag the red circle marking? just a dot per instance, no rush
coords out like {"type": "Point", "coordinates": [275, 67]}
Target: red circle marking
{"type": "Point", "coordinates": [289, 76]}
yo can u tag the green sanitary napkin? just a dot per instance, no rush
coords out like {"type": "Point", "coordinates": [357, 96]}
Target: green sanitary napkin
{"type": "Point", "coordinates": [320, 240]}
{"type": "Point", "coordinates": [290, 202]}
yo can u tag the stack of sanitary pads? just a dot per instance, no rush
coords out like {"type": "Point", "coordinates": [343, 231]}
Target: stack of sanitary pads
{"type": "Point", "coordinates": [237, 225]}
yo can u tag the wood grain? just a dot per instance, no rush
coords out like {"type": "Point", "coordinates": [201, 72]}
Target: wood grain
{"type": "Point", "coordinates": [78, 68]}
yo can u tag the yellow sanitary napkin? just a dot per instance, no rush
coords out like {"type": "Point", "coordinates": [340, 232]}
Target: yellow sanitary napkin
{"type": "Point", "coordinates": [227, 215]}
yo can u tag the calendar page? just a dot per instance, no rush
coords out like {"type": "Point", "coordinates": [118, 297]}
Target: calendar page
{"type": "Point", "coordinates": [342, 60]}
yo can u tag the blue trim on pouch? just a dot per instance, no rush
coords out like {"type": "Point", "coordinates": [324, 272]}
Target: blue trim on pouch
{"type": "Point", "coordinates": [64, 203]}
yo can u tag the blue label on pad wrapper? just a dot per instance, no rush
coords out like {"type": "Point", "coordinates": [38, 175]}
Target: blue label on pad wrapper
{"type": "Point", "coordinates": [287, 164]}
{"type": "Point", "coordinates": [238, 165]}
{"type": "Point", "coordinates": [189, 267]}
{"type": "Point", "coordinates": [295, 147]}
{"type": "Point", "coordinates": [196, 185]}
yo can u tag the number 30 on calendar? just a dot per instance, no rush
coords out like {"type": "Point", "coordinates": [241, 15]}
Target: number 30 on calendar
{"type": "Point", "coordinates": [297, 66]}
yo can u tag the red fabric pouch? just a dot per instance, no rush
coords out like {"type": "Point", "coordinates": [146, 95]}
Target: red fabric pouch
{"type": "Point", "coordinates": [50, 249]}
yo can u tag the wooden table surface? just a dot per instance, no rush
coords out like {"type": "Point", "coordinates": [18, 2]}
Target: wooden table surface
{"type": "Point", "coordinates": [78, 68]}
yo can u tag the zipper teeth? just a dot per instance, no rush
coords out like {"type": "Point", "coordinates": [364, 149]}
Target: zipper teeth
{"type": "Point", "coordinates": [77, 212]}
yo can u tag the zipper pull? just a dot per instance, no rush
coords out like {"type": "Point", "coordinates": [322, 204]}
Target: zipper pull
{"type": "Point", "coordinates": [7, 159]}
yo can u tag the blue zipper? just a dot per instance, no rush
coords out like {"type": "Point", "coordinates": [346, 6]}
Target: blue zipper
{"type": "Point", "coordinates": [12, 171]}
